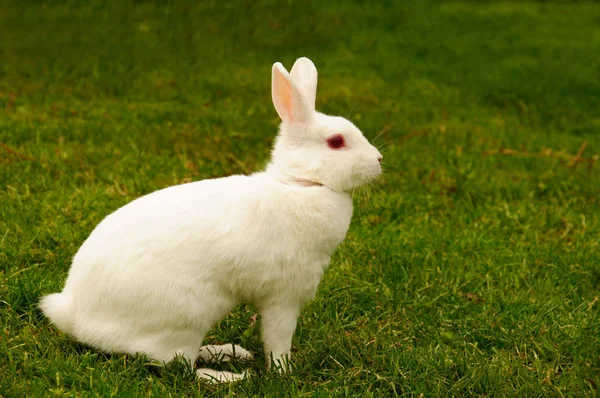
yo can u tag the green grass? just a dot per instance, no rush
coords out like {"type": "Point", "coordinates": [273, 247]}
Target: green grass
{"type": "Point", "coordinates": [473, 271]}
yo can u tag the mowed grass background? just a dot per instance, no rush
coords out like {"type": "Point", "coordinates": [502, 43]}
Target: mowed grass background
{"type": "Point", "coordinates": [474, 268]}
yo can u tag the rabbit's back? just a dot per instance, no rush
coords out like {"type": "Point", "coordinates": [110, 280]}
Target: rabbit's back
{"type": "Point", "coordinates": [192, 227]}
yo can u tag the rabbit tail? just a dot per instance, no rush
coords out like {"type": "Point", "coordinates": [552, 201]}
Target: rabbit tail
{"type": "Point", "coordinates": [57, 307]}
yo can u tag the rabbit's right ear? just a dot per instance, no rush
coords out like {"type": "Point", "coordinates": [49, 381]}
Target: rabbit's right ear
{"type": "Point", "coordinates": [290, 102]}
{"type": "Point", "coordinates": [304, 73]}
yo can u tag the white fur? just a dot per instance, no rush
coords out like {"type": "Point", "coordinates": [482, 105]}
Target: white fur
{"type": "Point", "coordinates": [158, 273]}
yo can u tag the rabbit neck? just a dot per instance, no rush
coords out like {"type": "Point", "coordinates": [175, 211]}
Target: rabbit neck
{"type": "Point", "coordinates": [300, 182]}
{"type": "Point", "coordinates": [291, 180]}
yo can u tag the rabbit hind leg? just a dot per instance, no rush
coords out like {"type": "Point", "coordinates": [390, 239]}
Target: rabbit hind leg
{"type": "Point", "coordinates": [217, 376]}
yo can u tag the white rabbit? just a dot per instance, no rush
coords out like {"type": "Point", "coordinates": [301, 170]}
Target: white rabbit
{"type": "Point", "coordinates": [158, 273]}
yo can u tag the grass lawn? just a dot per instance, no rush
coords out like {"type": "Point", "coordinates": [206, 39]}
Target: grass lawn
{"type": "Point", "coordinates": [473, 270]}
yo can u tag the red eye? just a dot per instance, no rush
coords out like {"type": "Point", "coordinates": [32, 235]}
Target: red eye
{"type": "Point", "coordinates": [336, 141]}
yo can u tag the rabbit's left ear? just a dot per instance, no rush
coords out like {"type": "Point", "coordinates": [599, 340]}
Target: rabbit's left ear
{"type": "Point", "coordinates": [290, 102]}
{"type": "Point", "coordinates": [304, 73]}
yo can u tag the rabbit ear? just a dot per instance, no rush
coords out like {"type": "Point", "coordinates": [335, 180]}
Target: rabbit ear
{"type": "Point", "coordinates": [304, 73]}
{"type": "Point", "coordinates": [289, 101]}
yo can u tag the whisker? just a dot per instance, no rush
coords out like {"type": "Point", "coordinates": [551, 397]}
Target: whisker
{"type": "Point", "coordinates": [367, 191]}
{"type": "Point", "coordinates": [384, 130]}
{"type": "Point", "coordinates": [391, 169]}
{"type": "Point", "coordinates": [350, 111]}
{"type": "Point", "coordinates": [374, 198]}
{"type": "Point", "coordinates": [370, 193]}
{"type": "Point", "coordinates": [383, 147]}
{"type": "Point", "coordinates": [377, 189]}
{"type": "Point", "coordinates": [357, 191]}
{"type": "Point", "coordinates": [387, 163]}
{"type": "Point", "coordinates": [368, 203]}
{"type": "Point", "coordinates": [365, 198]}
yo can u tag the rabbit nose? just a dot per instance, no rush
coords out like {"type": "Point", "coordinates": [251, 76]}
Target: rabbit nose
{"type": "Point", "coordinates": [380, 158]}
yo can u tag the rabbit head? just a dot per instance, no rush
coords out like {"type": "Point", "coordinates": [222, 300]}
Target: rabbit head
{"type": "Point", "coordinates": [312, 147]}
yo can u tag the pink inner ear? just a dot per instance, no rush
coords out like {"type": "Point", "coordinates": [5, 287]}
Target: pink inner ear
{"type": "Point", "coordinates": [286, 96]}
